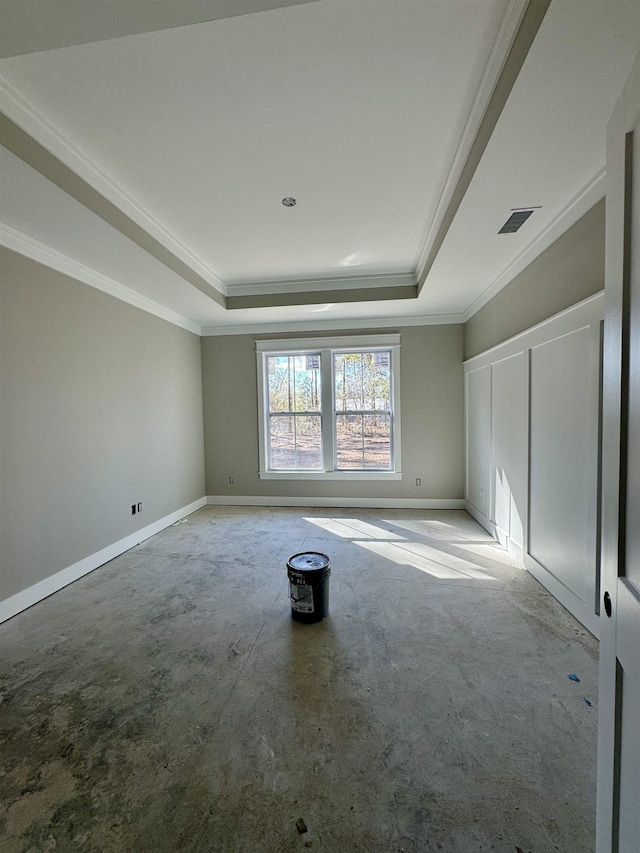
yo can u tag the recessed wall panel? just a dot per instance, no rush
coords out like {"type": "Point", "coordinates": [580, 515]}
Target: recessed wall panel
{"type": "Point", "coordinates": [478, 439]}
{"type": "Point", "coordinates": [563, 454]}
{"type": "Point", "coordinates": [509, 447]}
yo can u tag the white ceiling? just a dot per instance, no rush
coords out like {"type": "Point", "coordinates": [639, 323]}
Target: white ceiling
{"type": "Point", "coordinates": [362, 109]}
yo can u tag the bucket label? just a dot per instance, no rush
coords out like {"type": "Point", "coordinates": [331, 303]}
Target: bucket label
{"type": "Point", "coordinates": [301, 595]}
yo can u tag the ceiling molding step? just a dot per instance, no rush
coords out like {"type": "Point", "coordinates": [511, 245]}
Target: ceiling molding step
{"type": "Point", "coordinates": [36, 251]}
{"type": "Point", "coordinates": [313, 285]}
{"type": "Point", "coordinates": [316, 297]}
{"type": "Point", "coordinates": [75, 22]}
{"type": "Point", "coordinates": [42, 145]}
{"type": "Point", "coordinates": [500, 51]}
{"type": "Point", "coordinates": [582, 202]}
{"type": "Point", "coordinates": [524, 38]}
{"type": "Point", "coordinates": [380, 323]}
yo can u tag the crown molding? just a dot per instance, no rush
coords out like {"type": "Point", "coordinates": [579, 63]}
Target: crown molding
{"type": "Point", "coordinates": [24, 114]}
{"type": "Point", "coordinates": [336, 325]}
{"type": "Point", "coordinates": [30, 248]}
{"type": "Point", "coordinates": [315, 285]}
{"type": "Point", "coordinates": [499, 53]}
{"type": "Point", "coordinates": [583, 201]}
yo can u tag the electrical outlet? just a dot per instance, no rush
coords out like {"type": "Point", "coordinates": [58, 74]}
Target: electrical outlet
{"type": "Point", "coordinates": [232, 480]}
{"type": "Point", "coordinates": [140, 507]}
{"type": "Point", "coordinates": [418, 481]}
{"type": "Point", "coordinates": [133, 509]}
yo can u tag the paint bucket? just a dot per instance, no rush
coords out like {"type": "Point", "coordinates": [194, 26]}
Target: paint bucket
{"type": "Point", "coordinates": [309, 586]}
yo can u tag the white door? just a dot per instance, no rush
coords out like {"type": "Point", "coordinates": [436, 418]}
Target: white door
{"type": "Point", "coordinates": [618, 810]}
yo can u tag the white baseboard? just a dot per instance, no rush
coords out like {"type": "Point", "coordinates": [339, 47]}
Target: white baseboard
{"type": "Point", "coordinates": [21, 600]}
{"type": "Point", "coordinates": [372, 503]}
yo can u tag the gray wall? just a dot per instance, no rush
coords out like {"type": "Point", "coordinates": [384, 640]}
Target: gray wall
{"type": "Point", "coordinates": [432, 421]}
{"type": "Point", "coordinates": [570, 270]}
{"type": "Point", "coordinates": [101, 407]}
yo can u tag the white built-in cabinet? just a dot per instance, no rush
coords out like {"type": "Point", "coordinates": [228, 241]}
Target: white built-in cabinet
{"type": "Point", "coordinates": [532, 409]}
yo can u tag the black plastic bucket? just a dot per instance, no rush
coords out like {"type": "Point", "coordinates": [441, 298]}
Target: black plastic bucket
{"type": "Point", "coordinates": [309, 586]}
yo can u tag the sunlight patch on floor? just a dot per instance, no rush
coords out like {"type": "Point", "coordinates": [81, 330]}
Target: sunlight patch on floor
{"type": "Point", "coordinates": [408, 554]}
{"type": "Point", "coordinates": [353, 528]}
{"type": "Point", "coordinates": [492, 551]}
{"type": "Point", "coordinates": [437, 529]}
{"type": "Point", "coordinates": [457, 564]}
{"type": "Point", "coordinates": [416, 550]}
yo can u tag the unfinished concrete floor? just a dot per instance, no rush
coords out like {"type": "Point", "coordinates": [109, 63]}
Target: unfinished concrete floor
{"type": "Point", "coordinates": [167, 701]}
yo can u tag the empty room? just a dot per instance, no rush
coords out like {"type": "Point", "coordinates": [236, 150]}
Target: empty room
{"type": "Point", "coordinates": [320, 426]}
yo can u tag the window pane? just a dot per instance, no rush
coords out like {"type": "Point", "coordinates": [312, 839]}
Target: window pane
{"type": "Point", "coordinates": [362, 381]}
{"type": "Point", "coordinates": [363, 441]}
{"type": "Point", "coordinates": [294, 383]}
{"type": "Point", "coordinates": [295, 442]}
{"type": "Point", "coordinates": [279, 386]}
{"type": "Point", "coordinates": [377, 441]}
{"type": "Point", "coordinates": [312, 362]}
{"type": "Point", "coordinates": [349, 450]}
{"type": "Point", "coordinates": [348, 381]}
{"type": "Point", "coordinates": [379, 381]}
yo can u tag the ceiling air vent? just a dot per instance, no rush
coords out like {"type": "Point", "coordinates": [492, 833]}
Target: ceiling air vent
{"type": "Point", "coordinates": [515, 221]}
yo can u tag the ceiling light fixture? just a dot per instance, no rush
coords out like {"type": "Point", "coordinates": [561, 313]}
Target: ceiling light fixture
{"type": "Point", "coordinates": [289, 202]}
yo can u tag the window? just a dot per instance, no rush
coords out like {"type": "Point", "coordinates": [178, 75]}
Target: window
{"type": "Point", "coordinates": [294, 419]}
{"type": "Point", "coordinates": [328, 410]}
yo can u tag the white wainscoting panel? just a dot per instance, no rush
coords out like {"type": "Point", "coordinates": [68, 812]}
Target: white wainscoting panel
{"type": "Point", "coordinates": [478, 438]}
{"type": "Point", "coordinates": [561, 454]}
{"type": "Point", "coordinates": [509, 451]}
{"type": "Point", "coordinates": [532, 441]}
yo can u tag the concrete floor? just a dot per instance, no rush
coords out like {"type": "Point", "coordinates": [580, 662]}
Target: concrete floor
{"type": "Point", "coordinates": [167, 701]}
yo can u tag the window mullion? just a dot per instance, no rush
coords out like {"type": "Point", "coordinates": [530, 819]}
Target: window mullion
{"type": "Point", "coordinates": [327, 409]}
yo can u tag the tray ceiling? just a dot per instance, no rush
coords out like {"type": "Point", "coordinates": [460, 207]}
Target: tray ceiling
{"type": "Point", "coordinates": [157, 155]}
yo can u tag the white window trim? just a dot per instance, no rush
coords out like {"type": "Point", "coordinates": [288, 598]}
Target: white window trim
{"type": "Point", "coordinates": [327, 347]}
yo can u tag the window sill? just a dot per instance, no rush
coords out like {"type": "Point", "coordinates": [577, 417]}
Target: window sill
{"type": "Point", "coordinates": [330, 475]}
